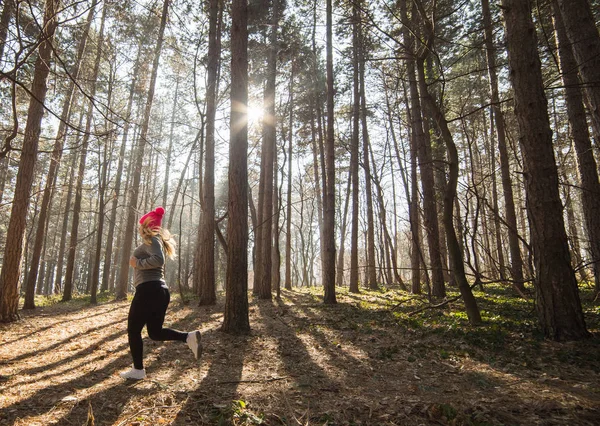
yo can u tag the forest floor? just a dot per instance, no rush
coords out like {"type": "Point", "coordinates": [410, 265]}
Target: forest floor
{"type": "Point", "coordinates": [364, 361]}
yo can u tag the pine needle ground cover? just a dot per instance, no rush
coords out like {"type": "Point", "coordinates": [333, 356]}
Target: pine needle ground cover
{"type": "Point", "coordinates": [369, 360]}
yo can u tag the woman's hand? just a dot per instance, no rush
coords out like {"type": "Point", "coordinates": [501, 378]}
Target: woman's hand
{"type": "Point", "coordinates": [133, 261]}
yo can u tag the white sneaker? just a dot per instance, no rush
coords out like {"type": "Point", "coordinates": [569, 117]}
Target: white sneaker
{"type": "Point", "coordinates": [134, 374]}
{"type": "Point", "coordinates": [194, 342]}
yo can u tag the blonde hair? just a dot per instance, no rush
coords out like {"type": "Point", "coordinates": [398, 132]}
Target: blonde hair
{"type": "Point", "coordinates": [147, 232]}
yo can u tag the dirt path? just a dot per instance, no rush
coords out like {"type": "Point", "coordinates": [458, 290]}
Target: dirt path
{"type": "Point", "coordinates": [303, 364]}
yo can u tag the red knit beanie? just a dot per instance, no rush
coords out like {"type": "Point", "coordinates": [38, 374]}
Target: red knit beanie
{"type": "Point", "coordinates": [155, 217]}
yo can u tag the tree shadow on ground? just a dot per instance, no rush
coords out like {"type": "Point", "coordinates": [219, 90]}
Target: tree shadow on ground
{"type": "Point", "coordinates": [71, 309]}
{"type": "Point", "coordinates": [67, 402]}
{"type": "Point", "coordinates": [210, 402]}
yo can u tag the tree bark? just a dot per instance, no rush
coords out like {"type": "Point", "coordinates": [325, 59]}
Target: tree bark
{"type": "Point", "coordinates": [354, 152]}
{"type": "Point", "coordinates": [329, 211]}
{"type": "Point", "coordinates": [13, 253]}
{"type": "Point", "coordinates": [206, 285]}
{"type": "Point", "coordinates": [275, 252]}
{"type": "Point", "coordinates": [580, 28]}
{"type": "Point", "coordinates": [588, 171]}
{"type": "Point", "coordinates": [236, 319]}
{"type": "Point", "coordinates": [557, 296]}
{"type": "Point", "coordinates": [454, 249]}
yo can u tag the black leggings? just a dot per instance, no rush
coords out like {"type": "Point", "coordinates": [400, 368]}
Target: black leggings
{"type": "Point", "coordinates": [148, 308]}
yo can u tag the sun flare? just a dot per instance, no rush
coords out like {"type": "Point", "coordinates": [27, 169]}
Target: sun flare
{"type": "Point", "coordinates": [255, 114]}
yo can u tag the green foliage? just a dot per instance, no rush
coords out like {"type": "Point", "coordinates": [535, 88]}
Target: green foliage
{"type": "Point", "coordinates": [509, 337]}
{"type": "Point", "coordinates": [236, 413]}
{"type": "Point", "coordinates": [76, 301]}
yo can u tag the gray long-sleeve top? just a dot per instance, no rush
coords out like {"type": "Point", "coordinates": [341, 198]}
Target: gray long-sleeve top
{"type": "Point", "coordinates": [150, 265]}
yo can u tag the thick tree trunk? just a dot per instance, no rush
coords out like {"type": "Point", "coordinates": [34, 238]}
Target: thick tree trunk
{"type": "Point", "coordinates": [206, 285]}
{"type": "Point", "coordinates": [580, 28]}
{"type": "Point", "coordinates": [13, 253]}
{"type": "Point", "coordinates": [588, 171]}
{"type": "Point", "coordinates": [557, 296]}
{"type": "Point", "coordinates": [134, 188]}
{"type": "Point", "coordinates": [329, 211]}
{"type": "Point", "coordinates": [236, 319]}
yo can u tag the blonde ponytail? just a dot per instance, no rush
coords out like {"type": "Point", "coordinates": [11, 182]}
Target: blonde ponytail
{"type": "Point", "coordinates": [147, 232]}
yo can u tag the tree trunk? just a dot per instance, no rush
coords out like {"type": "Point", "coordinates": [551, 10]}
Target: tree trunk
{"type": "Point", "coordinates": [67, 294]}
{"type": "Point", "coordinates": [269, 139]}
{"type": "Point", "coordinates": [426, 166]}
{"type": "Point", "coordinates": [516, 267]}
{"type": "Point", "coordinates": [118, 179]}
{"type": "Point", "coordinates": [288, 232]}
{"type": "Point", "coordinates": [416, 254]}
{"type": "Point", "coordinates": [354, 152]}
{"type": "Point", "coordinates": [275, 253]}
{"type": "Point", "coordinates": [371, 260]}
{"type": "Point", "coordinates": [121, 292]}
{"type": "Point", "coordinates": [588, 171]}
{"type": "Point", "coordinates": [7, 12]}
{"type": "Point", "coordinates": [54, 164]}
{"type": "Point", "coordinates": [391, 264]}
{"type": "Point", "coordinates": [63, 238]}
{"type": "Point", "coordinates": [329, 196]}
{"type": "Point", "coordinates": [206, 285]}
{"type": "Point", "coordinates": [339, 280]}
{"type": "Point", "coordinates": [170, 147]}
{"type": "Point", "coordinates": [580, 28]}
{"type": "Point", "coordinates": [454, 249]}
{"type": "Point", "coordinates": [236, 319]}
{"type": "Point", "coordinates": [13, 253]}
{"type": "Point", "coordinates": [557, 297]}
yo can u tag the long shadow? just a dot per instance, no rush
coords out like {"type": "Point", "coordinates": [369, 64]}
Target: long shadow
{"type": "Point", "coordinates": [218, 388]}
{"type": "Point", "coordinates": [308, 378]}
{"type": "Point", "coordinates": [79, 354]}
{"type": "Point", "coordinates": [106, 406]}
{"type": "Point", "coordinates": [45, 400]}
{"type": "Point", "coordinates": [77, 309]}
{"type": "Point", "coordinates": [491, 384]}
{"type": "Point", "coordinates": [333, 350]}
{"type": "Point", "coordinates": [56, 345]}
